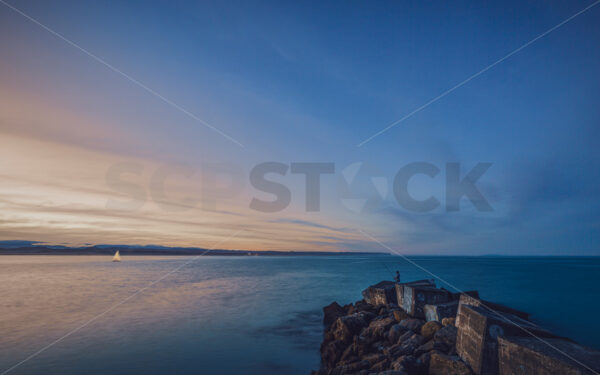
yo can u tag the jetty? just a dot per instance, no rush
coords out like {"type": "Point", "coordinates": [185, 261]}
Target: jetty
{"type": "Point", "coordinates": [417, 328]}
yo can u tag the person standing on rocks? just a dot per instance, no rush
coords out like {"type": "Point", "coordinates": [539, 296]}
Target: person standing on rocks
{"type": "Point", "coordinates": [397, 277]}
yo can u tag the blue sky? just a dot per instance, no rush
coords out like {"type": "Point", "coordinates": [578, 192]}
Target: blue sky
{"type": "Point", "coordinates": [309, 82]}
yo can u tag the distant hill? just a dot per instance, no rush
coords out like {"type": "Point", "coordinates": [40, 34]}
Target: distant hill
{"type": "Point", "coordinates": [36, 248]}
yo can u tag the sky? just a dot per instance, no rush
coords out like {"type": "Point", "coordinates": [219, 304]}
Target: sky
{"type": "Point", "coordinates": [115, 115]}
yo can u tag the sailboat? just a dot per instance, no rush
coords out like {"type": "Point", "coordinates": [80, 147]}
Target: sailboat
{"type": "Point", "coordinates": [117, 257]}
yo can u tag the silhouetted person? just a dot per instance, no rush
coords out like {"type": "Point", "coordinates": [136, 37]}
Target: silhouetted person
{"type": "Point", "coordinates": [397, 277]}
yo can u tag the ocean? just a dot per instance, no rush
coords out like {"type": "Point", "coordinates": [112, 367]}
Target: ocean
{"type": "Point", "coordinates": [250, 315]}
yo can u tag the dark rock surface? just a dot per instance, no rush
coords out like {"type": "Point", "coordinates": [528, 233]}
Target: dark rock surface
{"type": "Point", "coordinates": [331, 312]}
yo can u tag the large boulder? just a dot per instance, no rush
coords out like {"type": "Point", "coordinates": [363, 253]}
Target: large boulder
{"type": "Point", "coordinates": [407, 344]}
{"type": "Point", "coordinates": [345, 327]}
{"type": "Point", "coordinates": [423, 363]}
{"type": "Point", "coordinates": [374, 358]}
{"type": "Point", "coordinates": [350, 368]}
{"type": "Point", "coordinates": [430, 346]}
{"type": "Point", "coordinates": [447, 335]}
{"type": "Point", "coordinates": [364, 306]}
{"type": "Point", "coordinates": [331, 353]}
{"type": "Point", "coordinates": [348, 356]}
{"type": "Point", "coordinates": [448, 321]}
{"type": "Point", "coordinates": [361, 346]}
{"type": "Point", "coordinates": [429, 329]}
{"type": "Point", "coordinates": [406, 363]}
{"type": "Point", "coordinates": [412, 324]}
{"type": "Point", "coordinates": [440, 364]}
{"type": "Point", "coordinates": [395, 332]}
{"type": "Point", "coordinates": [380, 366]}
{"type": "Point", "coordinates": [400, 315]}
{"type": "Point", "coordinates": [377, 328]}
{"type": "Point", "coordinates": [331, 312]}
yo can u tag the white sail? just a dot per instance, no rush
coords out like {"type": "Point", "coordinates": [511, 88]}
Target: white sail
{"type": "Point", "coordinates": [117, 257]}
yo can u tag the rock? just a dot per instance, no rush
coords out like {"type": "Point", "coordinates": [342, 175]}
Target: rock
{"type": "Point", "coordinates": [383, 311]}
{"type": "Point", "coordinates": [331, 353]}
{"type": "Point", "coordinates": [379, 346]}
{"type": "Point", "coordinates": [429, 329]}
{"type": "Point", "coordinates": [440, 364]}
{"type": "Point", "coordinates": [379, 338]}
{"type": "Point", "coordinates": [374, 358]}
{"type": "Point", "coordinates": [377, 328]}
{"type": "Point", "coordinates": [400, 315]}
{"type": "Point", "coordinates": [405, 336]}
{"type": "Point", "coordinates": [363, 306]}
{"type": "Point", "coordinates": [345, 327]}
{"type": "Point", "coordinates": [350, 368]}
{"type": "Point", "coordinates": [406, 345]}
{"type": "Point", "coordinates": [331, 312]}
{"type": "Point", "coordinates": [395, 332]}
{"type": "Point", "coordinates": [412, 324]}
{"type": "Point", "coordinates": [380, 366]}
{"type": "Point", "coordinates": [423, 363]}
{"type": "Point", "coordinates": [407, 363]}
{"type": "Point", "coordinates": [360, 346]}
{"type": "Point", "coordinates": [429, 346]}
{"type": "Point", "coordinates": [349, 309]}
{"type": "Point", "coordinates": [447, 335]}
{"type": "Point", "coordinates": [448, 321]}
{"type": "Point", "coordinates": [348, 356]}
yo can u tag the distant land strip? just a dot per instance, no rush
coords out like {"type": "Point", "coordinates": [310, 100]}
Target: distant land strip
{"type": "Point", "coordinates": [31, 248]}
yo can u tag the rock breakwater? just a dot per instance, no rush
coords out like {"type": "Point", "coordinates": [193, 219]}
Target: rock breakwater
{"type": "Point", "coordinates": [417, 328]}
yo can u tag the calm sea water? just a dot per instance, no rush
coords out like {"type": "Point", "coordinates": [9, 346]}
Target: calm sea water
{"type": "Point", "coordinates": [251, 315]}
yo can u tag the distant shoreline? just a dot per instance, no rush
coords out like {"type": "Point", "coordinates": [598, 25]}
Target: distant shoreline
{"type": "Point", "coordinates": [160, 251]}
{"type": "Point", "coordinates": [149, 251]}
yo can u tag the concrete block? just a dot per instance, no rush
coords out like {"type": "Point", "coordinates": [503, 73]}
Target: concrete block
{"type": "Point", "coordinates": [400, 288]}
{"type": "Point", "coordinates": [470, 293]}
{"type": "Point", "coordinates": [441, 311]}
{"type": "Point", "coordinates": [531, 356]}
{"type": "Point", "coordinates": [478, 332]}
{"type": "Point", "coordinates": [470, 299]}
{"type": "Point", "coordinates": [414, 299]}
{"type": "Point", "coordinates": [382, 293]}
